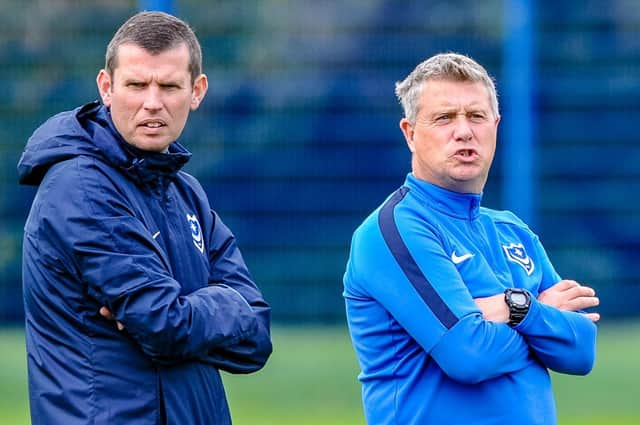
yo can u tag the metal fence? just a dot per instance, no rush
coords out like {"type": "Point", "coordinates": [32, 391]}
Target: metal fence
{"type": "Point", "coordinates": [298, 139]}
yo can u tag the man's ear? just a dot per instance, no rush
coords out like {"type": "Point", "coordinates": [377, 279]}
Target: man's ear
{"type": "Point", "coordinates": [104, 87]}
{"type": "Point", "coordinates": [408, 131]}
{"type": "Point", "coordinates": [200, 86]}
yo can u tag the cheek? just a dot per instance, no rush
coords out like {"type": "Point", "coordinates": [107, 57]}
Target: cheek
{"type": "Point", "coordinates": [121, 105]}
{"type": "Point", "coordinates": [421, 144]}
{"type": "Point", "coordinates": [429, 153]}
{"type": "Point", "coordinates": [181, 110]}
{"type": "Point", "coordinates": [490, 138]}
{"type": "Point", "coordinates": [123, 111]}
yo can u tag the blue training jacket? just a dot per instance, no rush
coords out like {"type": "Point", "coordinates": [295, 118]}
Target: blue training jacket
{"type": "Point", "coordinates": [114, 226]}
{"type": "Point", "coordinates": [426, 354]}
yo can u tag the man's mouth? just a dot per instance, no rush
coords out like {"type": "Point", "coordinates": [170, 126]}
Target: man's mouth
{"type": "Point", "coordinates": [152, 123]}
{"type": "Point", "coordinates": [466, 153]}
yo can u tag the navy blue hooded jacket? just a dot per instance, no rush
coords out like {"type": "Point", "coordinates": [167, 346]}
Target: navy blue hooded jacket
{"type": "Point", "coordinates": [114, 226]}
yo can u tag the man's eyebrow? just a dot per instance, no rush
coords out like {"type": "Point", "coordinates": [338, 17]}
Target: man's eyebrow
{"type": "Point", "coordinates": [170, 82]}
{"type": "Point", "coordinates": [132, 78]}
{"type": "Point", "coordinates": [444, 110]}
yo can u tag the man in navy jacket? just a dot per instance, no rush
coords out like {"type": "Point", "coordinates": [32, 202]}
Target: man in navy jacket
{"type": "Point", "coordinates": [135, 292]}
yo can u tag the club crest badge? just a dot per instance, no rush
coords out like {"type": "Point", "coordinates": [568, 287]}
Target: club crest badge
{"type": "Point", "coordinates": [196, 232]}
{"type": "Point", "coordinates": [515, 252]}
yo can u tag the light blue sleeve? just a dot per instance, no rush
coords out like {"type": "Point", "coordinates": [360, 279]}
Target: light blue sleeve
{"type": "Point", "coordinates": [563, 341]}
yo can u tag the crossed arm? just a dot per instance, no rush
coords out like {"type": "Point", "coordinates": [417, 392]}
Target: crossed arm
{"type": "Point", "coordinates": [243, 342]}
{"type": "Point", "coordinates": [101, 238]}
{"type": "Point", "coordinates": [468, 337]}
{"type": "Point", "coordinates": [555, 328]}
{"type": "Point", "coordinates": [566, 295]}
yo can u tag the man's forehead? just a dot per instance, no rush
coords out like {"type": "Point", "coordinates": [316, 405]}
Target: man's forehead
{"type": "Point", "coordinates": [154, 50]}
{"type": "Point", "coordinates": [134, 50]}
{"type": "Point", "coordinates": [134, 59]}
{"type": "Point", "coordinates": [452, 92]}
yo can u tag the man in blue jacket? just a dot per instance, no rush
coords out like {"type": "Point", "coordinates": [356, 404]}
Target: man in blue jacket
{"type": "Point", "coordinates": [455, 311]}
{"type": "Point", "coordinates": [135, 292]}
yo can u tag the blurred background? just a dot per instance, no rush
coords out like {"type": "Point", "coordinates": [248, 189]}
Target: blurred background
{"type": "Point", "coordinates": [298, 140]}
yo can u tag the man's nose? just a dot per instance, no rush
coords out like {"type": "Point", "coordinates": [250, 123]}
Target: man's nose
{"type": "Point", "coordinates": [462, 130]}
{"type": "Point", "coordinates": [153, 100]}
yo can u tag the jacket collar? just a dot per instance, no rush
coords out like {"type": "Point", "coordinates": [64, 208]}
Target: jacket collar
{"type": "Point", "coordinates": [460, 205]}
{"type": "Point", "coordinates": [148, 168]}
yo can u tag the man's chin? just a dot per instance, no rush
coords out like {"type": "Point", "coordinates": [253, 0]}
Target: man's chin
{"type": "Point", "coordinates": [152, 144]}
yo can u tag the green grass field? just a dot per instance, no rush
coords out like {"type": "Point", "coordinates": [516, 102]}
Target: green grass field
{"type": "Point", "coordinates": [311, 379]}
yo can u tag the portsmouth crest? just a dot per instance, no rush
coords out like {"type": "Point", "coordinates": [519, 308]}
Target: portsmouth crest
{"type": "Point", "coordinates": [516, 253]}
{"type": "Point", "coordinates": [196, 232]}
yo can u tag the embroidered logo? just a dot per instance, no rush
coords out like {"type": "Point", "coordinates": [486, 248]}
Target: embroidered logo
{"type": "Point", "coordinates": [459, 259]}
{"type": "Point", "coordinates": [196, 232]}
{"type": "Point", "coordinates": [516, 253]}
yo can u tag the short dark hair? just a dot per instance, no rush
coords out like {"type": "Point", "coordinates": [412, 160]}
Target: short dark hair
{"type": "Point", "coordinates": [155, 32]}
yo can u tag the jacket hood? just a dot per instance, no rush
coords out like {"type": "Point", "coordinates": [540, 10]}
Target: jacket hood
{"type": "Point", "coordinates": [88, 130]}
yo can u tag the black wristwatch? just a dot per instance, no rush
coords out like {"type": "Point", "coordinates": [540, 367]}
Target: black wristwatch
{"type": "Point", "coordinates": [518, 300]}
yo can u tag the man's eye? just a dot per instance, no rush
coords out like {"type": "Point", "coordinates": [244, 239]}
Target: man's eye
{"type": "Point", "coordinates": [169, 86]}
{"type": "Point", "coordinates": [477, 117]}
{"type": "Point", "coordinates": [444, 118]}
{"type": "Point", "coordinates": [135, 85]}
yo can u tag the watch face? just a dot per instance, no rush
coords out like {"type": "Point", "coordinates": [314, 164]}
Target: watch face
{"type": "Point", "coordinates": [518, 298]}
